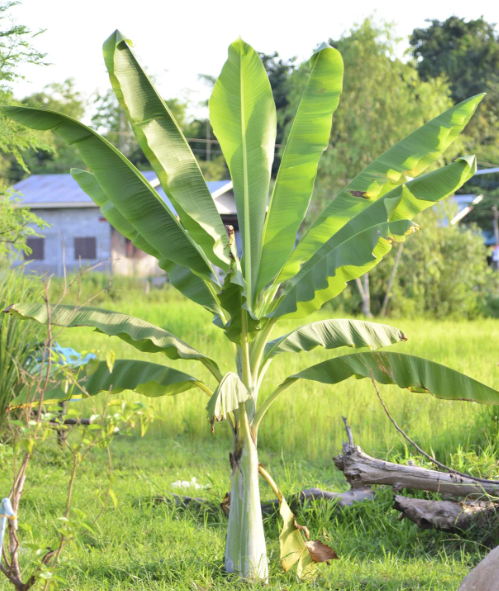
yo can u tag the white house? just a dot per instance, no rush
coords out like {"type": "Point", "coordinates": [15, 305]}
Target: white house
{"type": "Point", "coordinates": [80, 235]}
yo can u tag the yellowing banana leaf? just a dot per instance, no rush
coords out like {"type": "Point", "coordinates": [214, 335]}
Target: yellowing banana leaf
{"type": "Point", "coordinates": [142, 335]}
{"type": "Point", "coordinates": [398, 165]}
{"type": "Point", "coordinates": [243, 116]}
{"type": "Point", "coordinates": [293, 548]}
{"type": "Point", "coordinates": [166, 148]}
{"type": "Point", "coordinates": [308, 138]}
{"type": "Point", "coordinates": [124, 185]}
{"type": "Point", "coordinates": [149, 379]}
{"type": "Point", "coordinates": [407, 371]}
{"type": "Point", "coordinates": [335, 333]}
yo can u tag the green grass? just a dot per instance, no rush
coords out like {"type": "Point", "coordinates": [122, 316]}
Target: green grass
{"type": "Point", "coordinates": [307, 418]}
{"type": "Point", "coordinates": [142, 546]}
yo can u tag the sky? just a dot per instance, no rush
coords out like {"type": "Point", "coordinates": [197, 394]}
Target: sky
{"type": "Point", "coordinates": [177, 40]}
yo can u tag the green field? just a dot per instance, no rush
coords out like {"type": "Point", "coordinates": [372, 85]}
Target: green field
{"type": "Point", "coordinates": [140, 546]}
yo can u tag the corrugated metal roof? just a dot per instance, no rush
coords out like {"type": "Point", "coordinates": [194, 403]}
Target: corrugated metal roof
{"type": "Point", "coordinates": [61, 190]}
{"type": "Point", "coordinates": [486, 171]}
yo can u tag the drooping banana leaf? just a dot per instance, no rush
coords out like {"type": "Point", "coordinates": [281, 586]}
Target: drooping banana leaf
{"type": "Point", "coordinates": [326, 275]}
{"type": "Point", "coordinates": [142, 335]}
{"type": "Point", "coordinates": [149, 379]}
{"type": "Point", "coordinates": [332, 334]}
{"type": "Point", "coordinates": [403, 202]}
{"type": "Point", "coordinates": [405, 160]}
{"type": "Point", "coordinates": [406, 371]}
{"type": "Point", "coordinates": [124, 185]}
{"type": "Point", "coordinates": [190, 285]}
{"type": "Point", "coordinates": [293, 547]}
{"type": "Point", "coordinates": [243, 116]}
{"type": "Point", "coordinates": [166, 148]}
{"type": "Point", "coordinates": [308, 138]}
{"type": "Point", "coordinates": [230, 393]}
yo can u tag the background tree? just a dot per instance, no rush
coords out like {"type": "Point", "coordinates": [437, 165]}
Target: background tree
{"type": "Point", "coordinates": [467, 54]}
{"type": "Point", "coordinates": [52, 156]}
{"type": "Point", "coordinates": [433, 278]}
{"type": "Point", "coordinates": [15, 49]}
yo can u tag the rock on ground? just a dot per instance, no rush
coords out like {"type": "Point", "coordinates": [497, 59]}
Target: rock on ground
{"type": "Point", "coordinates": [485, 576]}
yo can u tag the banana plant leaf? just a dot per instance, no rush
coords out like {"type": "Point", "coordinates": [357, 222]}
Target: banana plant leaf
{"type": "Point", "coordinates": [142, 335]}
{"type": "Point", "coordinates": [402, 203]}
{"type": "Point", "coordinates": [124, 185]}
{"type": "Point", "coordinates": [166, 148]}
{"type": "Point", "coordinates": [230, 393]}
{"type": "Point", "coordinates": [405, 160]}
{"type": "Point", "coordinates": [233, 299]}
{"type": "Point", "coordinates": [243, 116]}
{"type": "Point", "coordinates": [332, 334]}
{"type": "Point", "coordinates": [149, 379]}
{"type": "Point", "coordinates": [307, 140]}
{"type": "Point", "coordinates": [326, 275]}
{"type": "Point", "coordinates": [406, 371]}
{"type": "Point", "coordinates": [190, 285]}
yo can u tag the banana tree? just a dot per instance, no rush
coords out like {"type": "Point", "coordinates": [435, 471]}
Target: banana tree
{"type": "Point", "coordinates": [272, 279]}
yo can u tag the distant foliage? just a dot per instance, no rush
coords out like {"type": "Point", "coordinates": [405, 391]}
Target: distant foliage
{"type": "Point", "coordinates": [18, 340]}
{"type": "Point", "coordinates": [467, 54]}
{"type": "Point", "coordinates": [16, 225]}
{"type": "Point", "coordinates": [443, 274]}
{"type": "Point", "coordinates": [15, 48]}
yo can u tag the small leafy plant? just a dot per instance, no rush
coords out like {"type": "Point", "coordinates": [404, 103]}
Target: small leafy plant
{"type": "Point", "coordinates": [70, 438]}
{"type": "Point", "coordinates": [272, 279]}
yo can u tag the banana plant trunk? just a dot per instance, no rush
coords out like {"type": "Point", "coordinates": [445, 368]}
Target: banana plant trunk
{"type": "Point", "coordinates": [245, 552]}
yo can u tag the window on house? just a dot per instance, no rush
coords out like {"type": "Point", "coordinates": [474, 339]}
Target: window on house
{"type": "Point", "coordinates": [131, 251]}
{"type": "Point", "coordinates": [85, 248]}
{"type": "Point", "coordinates": [37, 246]}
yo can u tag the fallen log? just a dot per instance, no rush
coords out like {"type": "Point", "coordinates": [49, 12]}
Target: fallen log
{"type": "Point", "coordinates": [269, 507]}
{"type": "Point", "coordinates": [362, 470]}
{"type": "Point", "coordinates": [447, 515]}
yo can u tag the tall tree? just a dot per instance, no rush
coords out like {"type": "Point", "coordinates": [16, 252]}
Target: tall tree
{"type": "Point", "coordinates": [467, 53]}
{"type": "Point", "coordinates": [15, 49]}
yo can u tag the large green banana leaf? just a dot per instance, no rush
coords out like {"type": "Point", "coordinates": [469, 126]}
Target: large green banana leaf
{"type": "Point", "coordinates": [149, 379]}
{"type": "Point", "coordinates": [326, 275]}
{"type": "Point", "coordinates": [335, 333]}
{"type": "Point", "coordinates": [166, 148]}
{"type": "Point", "coordinates": [200, 290]}
{"type": "Point", "coordinates": [88, 183]}
{"type": "Point", "coordinates": [142, 335]}
{"type": "Point", "coordinates": [123, 184]}
{"type": "Point", "coordinates": [402, 162]}
{"type": "Point", "coordinates": [243, 116]}
{"type": "Point", "coordinates": [403, 202]}
{"type": "Point", "coordinates": [308, 138]}
{"type": "Point", "coordinates": [407, 371]}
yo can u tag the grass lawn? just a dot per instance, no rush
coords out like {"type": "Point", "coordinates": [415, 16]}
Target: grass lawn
{"type": "Point", "coordinates": [138, 545]}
